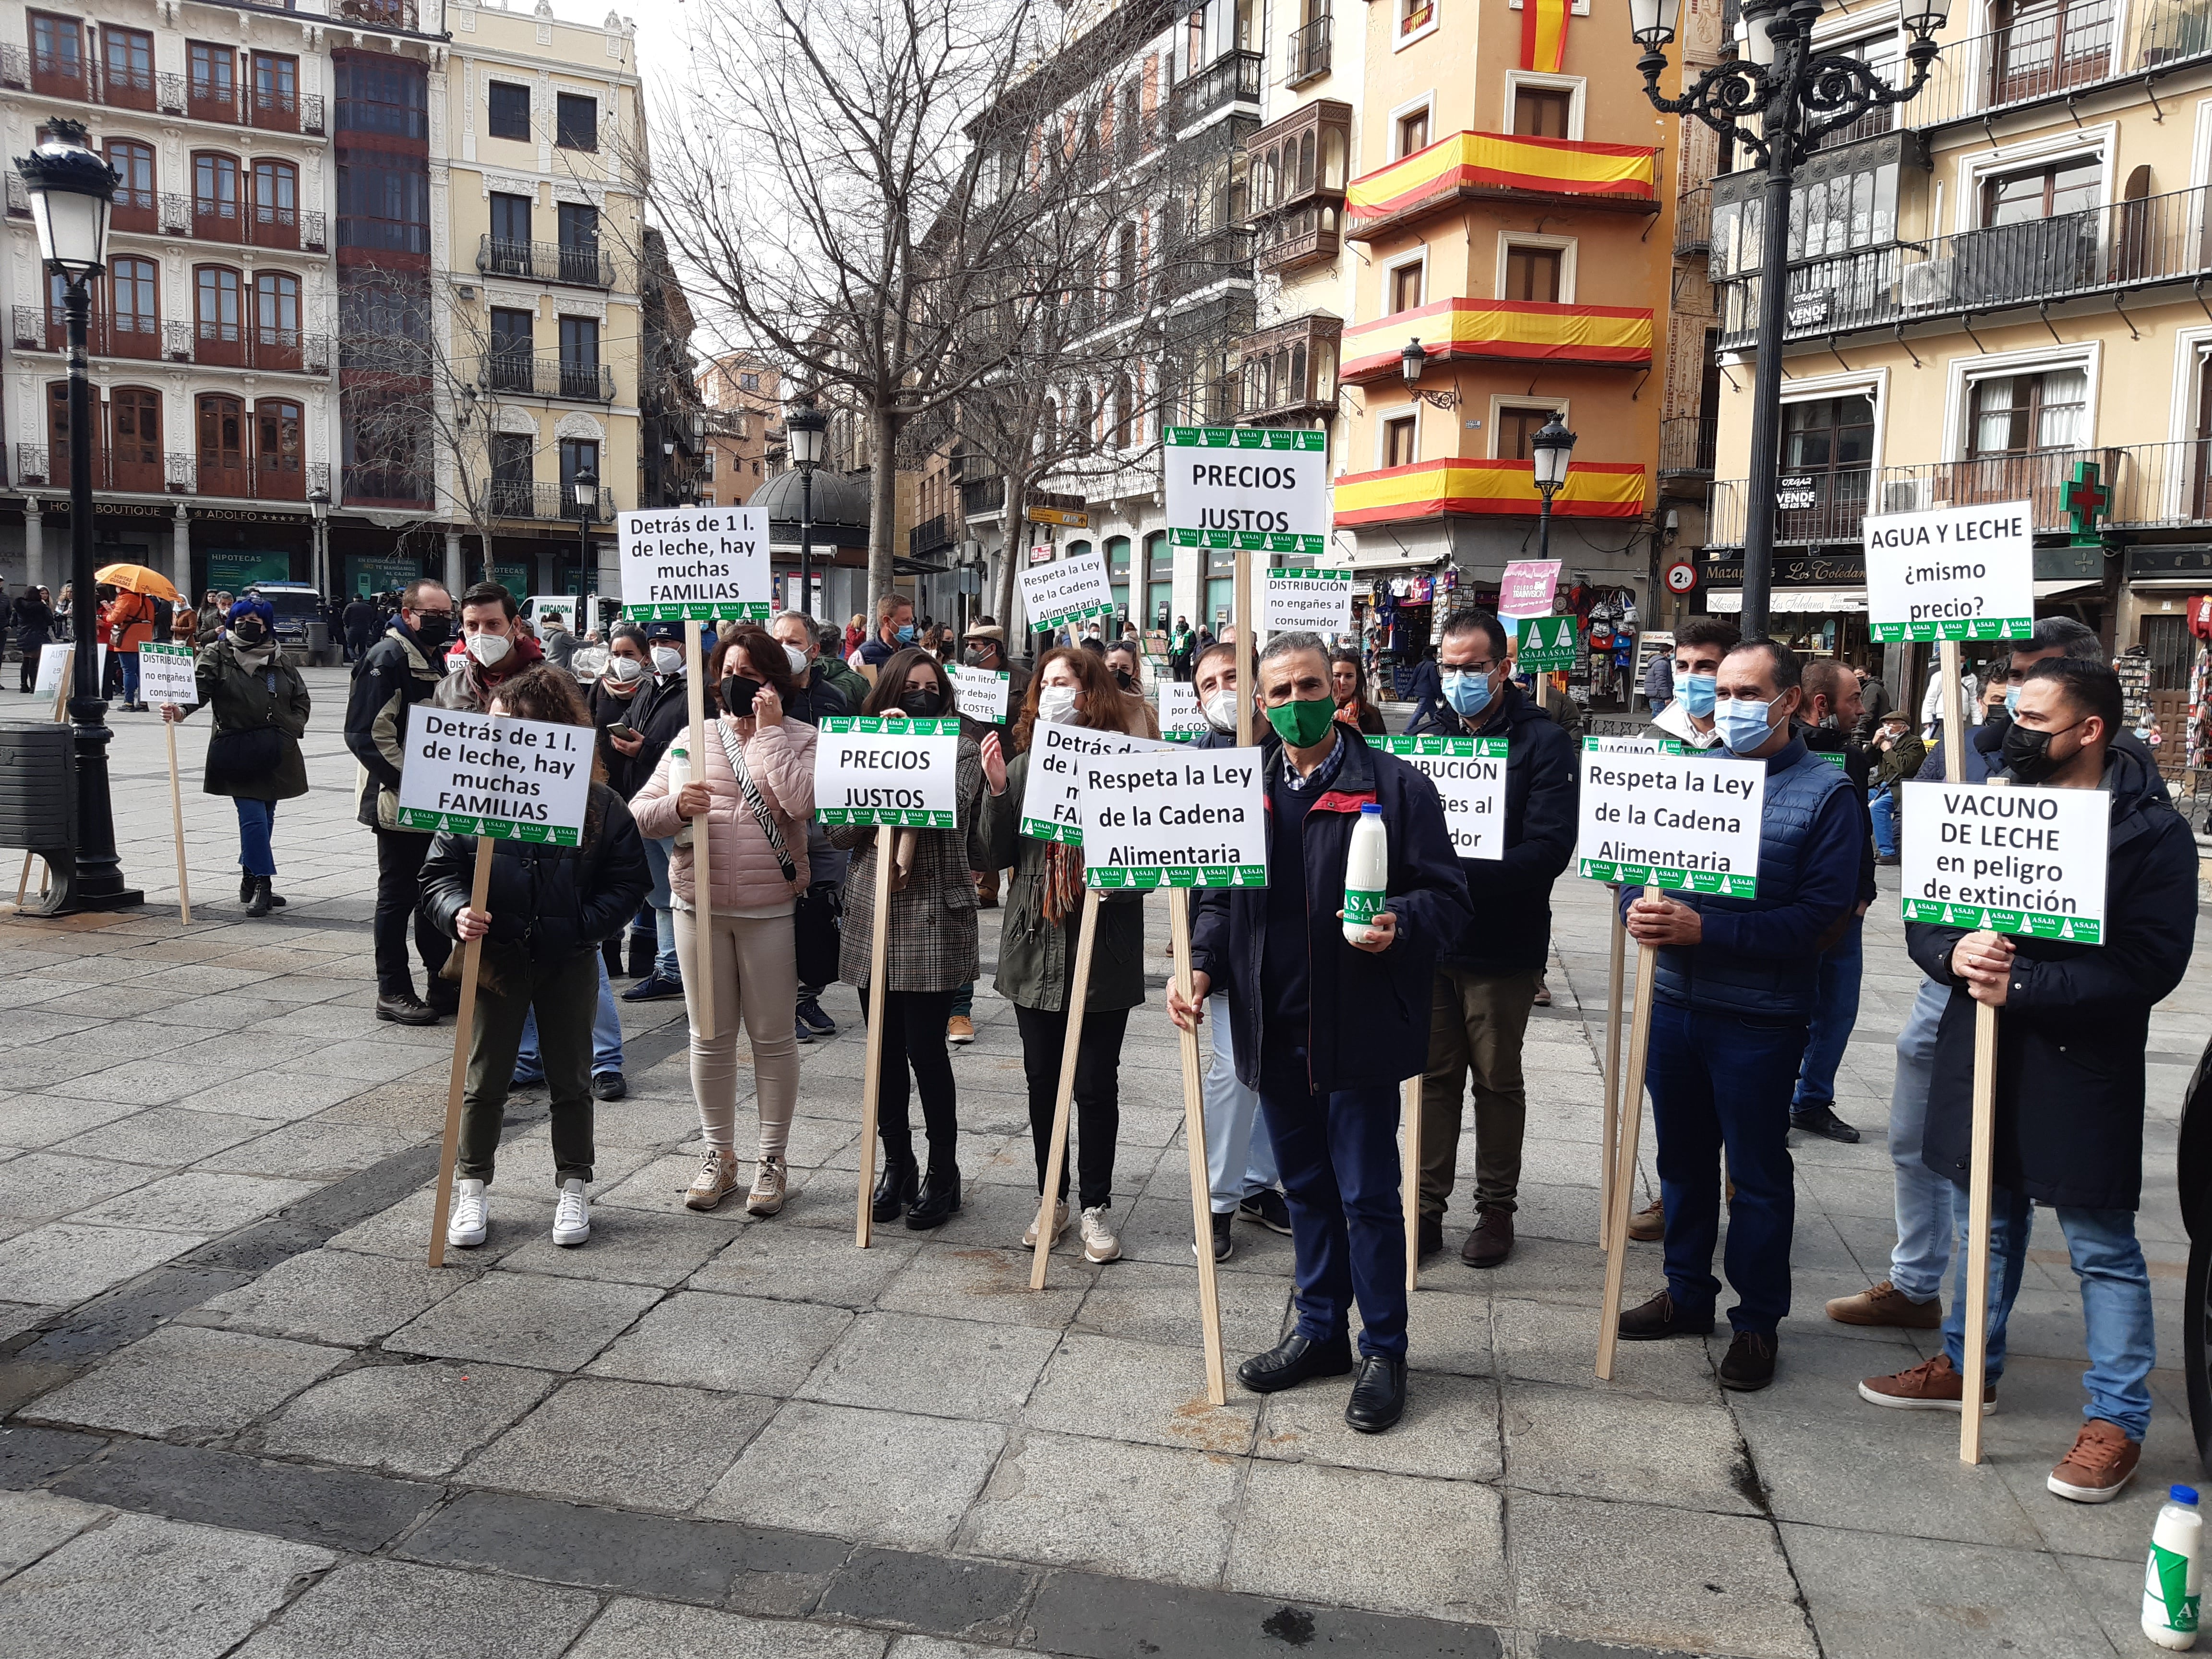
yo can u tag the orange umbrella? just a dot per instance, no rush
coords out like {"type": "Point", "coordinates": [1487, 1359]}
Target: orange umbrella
{"type": "Point", "coordinates": [136, 579]}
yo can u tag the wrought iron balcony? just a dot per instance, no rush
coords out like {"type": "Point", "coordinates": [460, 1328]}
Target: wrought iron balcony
{"type": "Point", "coordinates": [546, 377]}
{"type": "Point", "coordinates": [1306, 54]}
{"type": "Point", "coordinates": [982, 496]}
{"type": "Point", "coordinates": [274, 350]}
{"type": "Point", "coordinates": [1687, 444]}
{"type": "Point", "coordinates": [1693, 221]}
{"type": "Point", "coordinates": [1234, 77]}
{"type": "Point", "coordinates": [215, 345]}
{"type": "Point", "coordinates": [585, 265]}
{"type": "Point", "coordinates": [931, 535]}
{"type": "Point", "coordinates": [526, 498]}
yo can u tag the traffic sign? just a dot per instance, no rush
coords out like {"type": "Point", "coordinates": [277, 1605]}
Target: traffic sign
{"type": "Point", "coordinates": [1681, 577]}
{"type": "Point", "coordinates": [1546, 642]}
{"type": "Point", "coordinates": [1061, 516]}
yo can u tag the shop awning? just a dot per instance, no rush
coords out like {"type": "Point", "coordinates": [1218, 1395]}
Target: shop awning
{"type": "Point", "coordinates": [1728, 601]}
{"type": "Point", "coordinates": [2053, 590]}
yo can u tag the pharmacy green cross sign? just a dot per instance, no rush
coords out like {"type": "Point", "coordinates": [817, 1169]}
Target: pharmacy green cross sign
{"type": "Point", "coordinates": [2087, 502]}
{"type": "Point", "coordinates": [1546, 642]}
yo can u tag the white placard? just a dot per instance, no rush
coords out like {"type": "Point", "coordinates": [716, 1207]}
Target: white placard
{"type": "Point", "coordinates": [1264, 488]}
{"type": "Point", "coordinates": [1174, 817]}
{"type": "Point", "coordinates": [1952, 573]}
{"type": "Point", "coordinates": [1687, 821]}
{"type": "Point", "coordinates": [1469, 774]}
{"type": "Point", "coordinates": [1048, 803]}
{"type": "Point", "coordinates": [870, 770]}
{"type": "Point", "coordinates": [1181, 718]}
{"type": "Point", "coordinates": [1318, 601]}
{"type": "Point", "coordinates": [2007, 858]}
{"type": "Point", "coordinates": [547, 608]}
{"type": "Point", "coordinates": [51, 659]}
{"type": "Point", "coordinates": [696, 564]}
{"type": "Point", "coordinates": [167, 675]}
{"type": "Point", "coordinates": [980, 693]}
{"type": "Point", "coordinates": [484, 775]}
{"type": "Point", "coordinates": [1066, 590]}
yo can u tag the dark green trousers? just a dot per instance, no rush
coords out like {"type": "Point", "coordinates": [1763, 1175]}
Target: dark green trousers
{"type": "Point", "coordinates": [565, 991]}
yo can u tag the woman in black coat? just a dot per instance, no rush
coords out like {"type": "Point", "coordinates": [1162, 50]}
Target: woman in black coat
{"type": "Point", "coordinates": [34, 621]}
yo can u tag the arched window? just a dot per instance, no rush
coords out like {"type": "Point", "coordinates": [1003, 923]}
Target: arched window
{"type": "Point", "coordinates": [134, 425]}
{"type": "Point", "coordinates": [218, 317]}
{"type": "Point", "coordinates": [278, 474]}
{"type": "Point", "coordinates": [276, 204]}
{"type": "Point", "coordinates": [223, 469]}
{"type": "Point", "coordinates": [215, 196]}
{"type": "Point", "coordinates": [1305, 165]}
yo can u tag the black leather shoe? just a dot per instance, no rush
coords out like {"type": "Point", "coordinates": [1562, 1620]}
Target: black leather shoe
{"type": "Point", "coordinates": [1660, 1317]}
{"type": "Point", "coordinates": [256, 902]}
{"type": "Point", "coordinates": [1821, 1120]}
{"type": "Point", "coordinates": [609, 1085]}
{"type": "Point", "coordinates": [1749, 1365]}
{"type": "Point", "coordinates": [1291, 1361]}
{"type": "Point", "coordinates": [405, 1008]}
{"type": "Point", "coordinates": [940, 1198]}
{"type": "Point", "coordinates": [1431, 1237]}
{"type": "Point", "coordinates": [895, 1188]}
{"type": "Point", "coordinates": [1378, 1394]}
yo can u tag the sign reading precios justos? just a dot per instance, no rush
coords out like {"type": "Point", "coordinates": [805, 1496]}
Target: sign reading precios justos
{"type": "Point", "coordinates": [696, 564]}
{"type": "Point", "coordinates": [1263, 489]}
{"type": "Point", "coordinates": [1952, 573]}
{"type": "Point", "coordinates": [1469, 774]}
{"type": "Point", "coordinates": [872, 769]}
{"type": "Point", "coordinates": [1169, 817]}
{"type": "Point", "coordinates": [484, 775]}
{"type": "Point", "coordinates": [1684, 821]}
{"type": "Point", "coordinates": [2007, 858]}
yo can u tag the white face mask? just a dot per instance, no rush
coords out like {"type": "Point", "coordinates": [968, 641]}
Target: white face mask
{"type": "Point", "coordinates": [490, 649]}
{"type": "Point", "coordinates": [1056, 704]}
{"type": "Point", "coordinates": [667, 660]}
{"type": "Point", "coordinates": [1220, 710]}
{"type": "Point", "coordinates": [796, 657]}
{"type": "Point", "coordinates": [626, 669]}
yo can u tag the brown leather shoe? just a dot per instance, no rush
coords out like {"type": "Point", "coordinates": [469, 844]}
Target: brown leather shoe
{"type": "Point", "coordinates": [1647, 1223]}
{"type": "Point", "coordinates": [1930, 1385]}
{"type": "Point", "coordinates": [1491, 1242]}
{"type": "Point", "coordinates": [2100, 1465]}
{"type": "Point", "coordinates": [1885, 1305]}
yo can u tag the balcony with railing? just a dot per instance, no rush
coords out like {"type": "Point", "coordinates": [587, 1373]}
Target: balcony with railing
{"type": "Point", "coordinates": [1693, 221]}
{"type": "Point", "coordinates": [1224, 255]}
{"type": "Point", "coordinates": [584, 264]}
{"type": "Point", "coordinates": [372, 484]}
{"type": "Point", "coordinates": [1232, 78]}
{"type": "Point", "coordinates": [1490, 167]}
{"type": "Point", "coordinates": [273, 350]}
{"type": "Point", "coordinates": [1688, 445]}
{"type": "Point", "coordinates": [237, 476]}
{"type": "Point", "coordinates": [933, 535]}
{"type": "Point", "coordinates": [546, 377]}
{"type": "Point", "coordinates": [1289, 372]}
{"type": "Point", "coordinates": [1295, 172]}
{"type": "Point", "coordinates": [379, 14]}
{"type": "Point", "coordinates": [980, 498]}
{"type": "Point", "coordinates": [209, 345]}
{"type": "Point", "coordinates": [46, 329]}
{"type": "Point", "coordinates": [1306, 54]}
{"type": "Point", "coordinates": [527, 498]}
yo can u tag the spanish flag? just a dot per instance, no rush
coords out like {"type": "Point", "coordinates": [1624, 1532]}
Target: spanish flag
{"type": "Point", "coordinates": [1544, 35]}
{"type": "Point", "coordinates": [1508, 331]}
{"type": "Point", "coordinates": [1427, 490]}
{"type": "Point", "coordinates": [1492, 163]}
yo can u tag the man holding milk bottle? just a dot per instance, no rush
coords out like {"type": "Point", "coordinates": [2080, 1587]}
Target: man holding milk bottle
{"type": "Point", "coordinates": [1324, 1023]}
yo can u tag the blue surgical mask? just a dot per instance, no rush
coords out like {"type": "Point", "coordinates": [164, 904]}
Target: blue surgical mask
{"type": "Point", "coordinates": [1744, 725]}
{"type": "Point", "coordinates": [1469, 693]}
{"type": "Point", "coordinates": [1697, 692]}
{"type": "Point", "coordinates": [2012, 700]}
{"type": "Point", "coordinates": [905, 636]}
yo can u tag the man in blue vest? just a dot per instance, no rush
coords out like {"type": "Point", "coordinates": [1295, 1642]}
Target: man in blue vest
{"type": "Point", "coordinates": [1737, 979]}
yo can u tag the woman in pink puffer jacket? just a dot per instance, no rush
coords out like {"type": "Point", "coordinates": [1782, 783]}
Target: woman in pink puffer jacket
{"type": "Point", "coordinates": [756, 877]}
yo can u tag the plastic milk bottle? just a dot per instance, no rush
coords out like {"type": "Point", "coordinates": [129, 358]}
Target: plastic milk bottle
{"type": "Point", "coordinates": [1366, 873]}
{"type": "Point", "coordinates": [2173, 1575]}
{"type": "Point", "coordinates": [679, 774]}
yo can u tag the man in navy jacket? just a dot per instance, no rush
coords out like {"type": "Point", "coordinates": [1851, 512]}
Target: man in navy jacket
{"type": "Point", "coordinates": [1324, 1028]}
{"type": "Point", "coordinates": [1735, 997]}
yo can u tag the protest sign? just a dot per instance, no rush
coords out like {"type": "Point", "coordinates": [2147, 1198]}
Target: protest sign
{"type": "Point", "coordinates": [1545, 642]}
{"type": "Point", "coordinates": [2007, 858]}
{"type": "Point", "coordinates": [53, 660]}
{"type": "Point", "coordinates": [869, 770]}
{"type": "Point", "coordinates": [491, 775]}
{"type": "Point", "coordinates": [1317, 601]}
{"type": "Point", "coordinates": [1670, 821]}
{"type": "Point", "coordinates": [696, 564]}
{"type": "Point", "coordinates": [1527, 589]}
{"type": "Point", "coordinates": [1180, 716]}
{"type": "Point", "coordinates": [1260, 489]}
{"type": "Point", "coordinates": [1049, 799]}
{"type": "Point", "coordinates": [1952, 573]}
{"type": "Point", "coordinates": [1469, 774]}
{"type": "Point", "coordinates": [1173, 818]}
{"type": "Point", "coordinates": [166, 675]}
{"type": "Point", "coordinates": [1066, 590]}
{"type": "Point", "coordinates": [980, 693]}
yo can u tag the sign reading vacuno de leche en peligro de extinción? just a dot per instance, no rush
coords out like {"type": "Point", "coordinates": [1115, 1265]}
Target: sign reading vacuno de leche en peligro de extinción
{"type": "Point", "coordinates": [1069, 589]}
{"type": "Point", "coordinates": [1261, 490]}
{"type": "Point", "coordinates": [485, 774]}
{"type": "Point", "coordinates": [1952, 573]}
{"type": "Point", "coordinates": [870, 769]}
{"type": "Point", "coordinates": [1049, 811]}
{"type": "Point", "coordinates": [1170, 816]}
{"type": "Point", "coordinates": [1469, 774]}
{"type": "Point", "coordinates": [1670, 820]}
{"type": "Point", "coordinates": [696, 564]}
{"type": "Point", "coordinates": [2007, 858]}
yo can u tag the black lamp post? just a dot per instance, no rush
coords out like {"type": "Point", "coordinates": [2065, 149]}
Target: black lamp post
{"type": "Point", "coordinates": [804, 430]}
{"type": "Point", "coordinates": [1555, 446]}
{"type": "Point", "coordinates": [1797, 96]}
{"type": "Point", "coordinates": [71, 191]}
{"type": "Point", "coordinates": [584, 489]}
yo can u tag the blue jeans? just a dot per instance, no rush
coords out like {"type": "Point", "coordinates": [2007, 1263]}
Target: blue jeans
{"type": "Point", "coordinates": [963, 1001]}
{"type": "Point", "coordinates": [1719, 1081]}
{"type": "Point", "coordinates": [1240, 1159]}
{"type": "Point", "coordinates": [656, 854]}
{"type": "Point", "coordinates": [2115, 1302]}
{"type": "Point", "coordinates": [257, 822]}
{"type": "Point", "coordinates": [1923, 1198]}
{"type": "Point", "coordinates": [130, 675]}
{"type": "Point", "coordinates": [1882, 804]}
{"type": "Point", "coordinates": [1339, 1158]}
{"type": "Point", "coordinates": [606, 1036]}
{"type": "Point", "coordinates": [1835, 1012]}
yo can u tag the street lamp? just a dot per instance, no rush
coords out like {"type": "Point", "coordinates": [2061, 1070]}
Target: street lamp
{"type": "Point", "coordinates": [584, 489]}
{"type": "Point", "coordinates": [318, 501]}
{"type": "Point", "coordinates": [71, 192]}
{"type": "Point", "coordinates": [1555, 446]}
{"type": "Point", "coordinates": [1412, 360]}
{"type": "Point", "coordinates": [1796, 97]}
{"type": "Point", "coordinates": [805, 428]}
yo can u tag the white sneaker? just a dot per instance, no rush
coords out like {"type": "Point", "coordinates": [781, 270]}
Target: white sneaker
{"type": "Point", "coordinates": [1100, 1241]}
{"type": "Point", "coordinates": [471, 1220]}
{"type": "Point", "coordinates": [1059, 1225]}
{"type": "Point", "coordinates": [572, 1216]}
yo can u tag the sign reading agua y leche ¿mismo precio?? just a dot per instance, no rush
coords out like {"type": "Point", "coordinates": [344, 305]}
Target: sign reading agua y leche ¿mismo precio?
{"type": "Point", "coordinates": [1952, 573]}
{"type": "Point", "coordinates": [484, 775]}
{"type": "Point", "coordinates": [870, 770]}
{"type": "Point", "coordinates": [1173, 818]}
{"type": "Point", "coordinates": [696, 564]}
{"type": "Point", "coordinates": [2007, 859]}
{"type": "Point", "coordinates": [1683, 821]}
{"type": "Point", "coordinates": [1260, 489]}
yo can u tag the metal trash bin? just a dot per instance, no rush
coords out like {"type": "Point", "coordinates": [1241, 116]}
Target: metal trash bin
{"type": "Point", "coordinates": [38, 806]}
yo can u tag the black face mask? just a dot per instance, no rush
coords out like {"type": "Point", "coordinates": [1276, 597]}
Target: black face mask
{"type": "Point", "coordinates": [2027, 754]}
{"type": "Point", "coordinates": [1125, 679]}
{"type": "Point", "coordinates": [738, 694]}
{"type": "Point", "coordinates": [249, 630]}
{"type": "Point", "coordinates": [922, 705]}
{"type": "Point", "coordinates": [433, 629]}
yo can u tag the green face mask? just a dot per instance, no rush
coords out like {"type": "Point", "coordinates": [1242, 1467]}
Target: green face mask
{"type": "Point", "coordinates": [1303, 724]}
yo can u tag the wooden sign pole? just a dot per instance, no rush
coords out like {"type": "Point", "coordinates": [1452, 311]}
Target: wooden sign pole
{"type": "Point", "coordinates": [1623, 1174]}
{"type": "Point", "coordinates": [1608, 1150]}
{"type": "Point", "coordinates": [1409, 1177]}
{"type": "Point", "coordinates": [177, 822]}
{"type": "Point", "coordinates": [1078, 995]}
{"type": "Point", "coordinates": [702, 880]}
{"type": "Point", "coordinates": [1194, 1136]}
{"type": "Point", "coordinates": [879, 952]}
{"type": "Point", "coordinates": [464, 1028]}
{"type": "Point", "coordinates": [1246, 613]}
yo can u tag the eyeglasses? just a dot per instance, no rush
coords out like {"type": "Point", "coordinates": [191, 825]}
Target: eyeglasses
{"type": "Point", "coordinates": [447, 615]}
{"type": "Point", "coordinates": [1470, 668]}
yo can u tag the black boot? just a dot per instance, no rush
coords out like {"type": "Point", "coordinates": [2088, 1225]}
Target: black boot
{"type": "Point", "coordinates": [896, 1186]}
{"type": "Point", "coordinates": [642, 949]}
{"type": "Point", "coordinates": [256, 903]}
{"type": "Point", "coordinates": [940, 1197]}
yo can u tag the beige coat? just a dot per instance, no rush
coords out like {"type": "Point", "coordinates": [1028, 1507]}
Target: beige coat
{"type": "Point", "coordinates": [747, 879]}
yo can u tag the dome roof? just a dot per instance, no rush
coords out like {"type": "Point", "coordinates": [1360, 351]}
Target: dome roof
{"type": "Point", "coordinates": [840, 507]}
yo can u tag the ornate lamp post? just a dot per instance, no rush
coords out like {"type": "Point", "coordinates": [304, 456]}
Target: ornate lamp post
{"type": "Point", "coordinates": [1795, 97]}
{"type": "Point", "coordinates": [804, 429]}
{"type": "Point", "coordinates": [584, 489]}
{"type": "Point", "coordinates": [1555, 446]}
{"type": "Point", "coordinates": [1412, 360]}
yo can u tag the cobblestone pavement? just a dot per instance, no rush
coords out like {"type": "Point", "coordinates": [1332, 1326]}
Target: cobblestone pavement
{"type": "Point", "coordinates": [241, 1416]}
